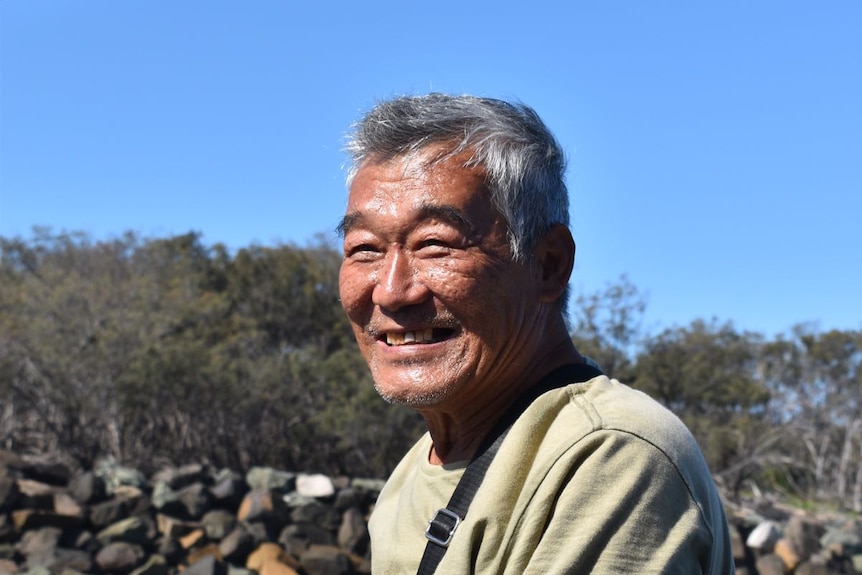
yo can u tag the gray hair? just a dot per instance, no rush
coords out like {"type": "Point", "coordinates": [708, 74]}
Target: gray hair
{"type": "Point", "coordinates": [523, 161]}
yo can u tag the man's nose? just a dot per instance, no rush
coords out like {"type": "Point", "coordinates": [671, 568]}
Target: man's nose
{"type": "Point", "coordinates": [399, 285]}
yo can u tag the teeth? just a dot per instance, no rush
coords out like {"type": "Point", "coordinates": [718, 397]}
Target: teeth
{"type": "Point", "coordinates": [421, 336]}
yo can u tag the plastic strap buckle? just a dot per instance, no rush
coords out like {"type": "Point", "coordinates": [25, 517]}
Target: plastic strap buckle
{"type": "Point", "coordinates": [442, 527]}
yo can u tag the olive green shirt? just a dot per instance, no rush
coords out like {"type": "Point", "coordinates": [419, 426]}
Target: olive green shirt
{"type": "Point", "coordinates": [593, 478]}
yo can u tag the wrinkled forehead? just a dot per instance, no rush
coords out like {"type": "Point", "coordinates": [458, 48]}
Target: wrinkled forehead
{"type": "Point", "coordinates": [405, 187]}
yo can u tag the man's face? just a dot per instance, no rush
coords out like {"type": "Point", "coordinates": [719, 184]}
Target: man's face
{"type": "Point", "coordinates": [440, 311]}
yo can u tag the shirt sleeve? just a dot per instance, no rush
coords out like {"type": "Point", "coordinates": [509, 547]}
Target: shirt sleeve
{"type": "Point", "coordinates": [616, 504]}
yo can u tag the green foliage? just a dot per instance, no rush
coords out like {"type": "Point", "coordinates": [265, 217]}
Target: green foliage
{"type": "Point", "coordinates": [784, 415]}
{"type": "Point", "coordinates": [169, 350]}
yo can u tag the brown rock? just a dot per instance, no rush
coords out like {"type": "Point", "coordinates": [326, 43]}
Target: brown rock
{"type": "Point", "coordinates": [277, 568]}
{"type": "Point", "coordinates": [784, 549]}
{"type": "Point", "coordinates": [65, 504]}
{"type": "Point", "coordinates": [8, 566]}
{"type": "Point", "coordinates": [192, 539]}
{"type": "Point", "coordinates": [35, 495]}
{"type": "Point", "coordinates": [209, 549]}
{"type": "Point", "coordinates": [265, 507]}
{"type": "Point", "coordinates": [173, 527]}
{"type": "Point", "coordinates": [27, 519]}
{"type": "Point", "coordinates": [265, 552]}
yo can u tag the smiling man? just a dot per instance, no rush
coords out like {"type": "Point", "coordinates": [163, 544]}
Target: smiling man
{"type": "Point", "coordinates": [457, 257]}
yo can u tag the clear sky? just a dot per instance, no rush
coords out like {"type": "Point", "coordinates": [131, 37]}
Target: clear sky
{"type": "Point", "coordinates": [715, 149]}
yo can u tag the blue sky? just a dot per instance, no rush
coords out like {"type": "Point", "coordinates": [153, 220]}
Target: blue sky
{"type": "Point", "coordinates": [715, 149]}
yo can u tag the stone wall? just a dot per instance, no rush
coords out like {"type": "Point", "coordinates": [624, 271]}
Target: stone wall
{"type": "Point", "coordinates": [203, 521]}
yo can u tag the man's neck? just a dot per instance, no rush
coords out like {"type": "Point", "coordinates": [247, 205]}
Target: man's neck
{"type": "Point", "coordinates": [458, 433]}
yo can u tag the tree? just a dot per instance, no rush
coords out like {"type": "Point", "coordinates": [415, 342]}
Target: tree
{"type": "Point", "coordinates": [608, 327]}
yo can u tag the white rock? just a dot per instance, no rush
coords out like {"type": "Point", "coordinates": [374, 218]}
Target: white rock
{"type": "Point", "coordinates": [314, 485]}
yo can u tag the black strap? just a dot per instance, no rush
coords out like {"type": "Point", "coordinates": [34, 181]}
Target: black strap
{"type": "Point", "coordinates": [442, 526]}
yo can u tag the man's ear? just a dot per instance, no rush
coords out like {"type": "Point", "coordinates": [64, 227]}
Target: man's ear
{"type": "Point", "coordinates": [555, 253]}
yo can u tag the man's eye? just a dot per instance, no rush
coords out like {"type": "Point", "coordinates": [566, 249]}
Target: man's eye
{"type": "Point", "coordinates": [434, 246]}
{"type": "Point", "coordinates": [360, 251]}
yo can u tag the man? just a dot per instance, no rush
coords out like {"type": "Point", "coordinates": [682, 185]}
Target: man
{"type": "Point", "coordinates": [457, 256]}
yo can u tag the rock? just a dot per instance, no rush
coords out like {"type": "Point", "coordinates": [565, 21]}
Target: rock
{"type": "Point", "coordinates": [178, 478]}
{"type": "Point", "coordinates": [804, 535]}
{"type": "Point", "coordinates": [137, 529]}
{"type": "Point", "coordinates": [11, 463]}
{"type": "Point", "coordinates": [299, 537]}
{"type": "Point", "coordinates": [207, 565]}
{"type": "Point", "coordinates": [314, 485]}
{"type": "Point", "coordinates": [205, 549]}
{"type": "Point", "coordinates": [326, 560]}
{"type": "Point", "coordinates": [770, 564]}
{"type": "Point", "coordinates": [784, 549]}
{"type": "Point", "coordinates": [236, 546]}
{"type": "Point", "coordinates": [155, 565]}
{"type": "Point", "coordinates": [39, 542]}
{"type": "Point", "coordinates": [126, 501]}
{"type": "Point", "coordinates": [218, 523]}
{"type": "Point", "coordinates": [763, 537]}
{"type": "Point", "coordinates": [28, 519]}
{"type": "Point", "coordinates": [65, 504]}
{"type": "Point", "coordinates": [36, 495]}
{"type": "Point", "coordinates": [265, 552]}
{"type": "Point", "coordinates": [63, 560]}
{"type": "Point", "coordinates": [229, 489]}
{"type": "Point", "coordinates": [267, 478]}
{"type": "Point", "coordinates": [372, 486]}
{"type": "Point", "coordinates": [264, 506]}
{"type": "Point", "coordinates": [195, 499]}
{"type": "Point", "coordinates": [166, 500]}
{"type": "Point", "coordinates": [322, 515]}
{"type": "Point", "coordinates": [119, 557]}
{"type": "Point", "coordinates": [173, 527]}
{"type": "Point", "coordinates": [277, 568]}
{"type": "Point", "coordinates": [171, 550]}
{"type": "Point", "coordinates": [353, 532]}
{"type": "Point", "coordinates": [193, 539]}
{"type": "Point", "coordinates": [116, 476]}
{"type": "Point", "coordinates": [87, 488]}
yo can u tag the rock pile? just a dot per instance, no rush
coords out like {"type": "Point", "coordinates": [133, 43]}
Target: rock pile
{"type": "Point", "coordinates": [113, 520]}
{"type": "Point", "coordinates": [772, 539]}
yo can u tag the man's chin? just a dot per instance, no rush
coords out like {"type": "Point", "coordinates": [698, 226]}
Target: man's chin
{"type": "Point", "coordinates": [410, 397]}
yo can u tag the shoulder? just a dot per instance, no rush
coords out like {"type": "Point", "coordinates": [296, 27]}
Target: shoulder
{"type": "Point", "coordinates": [605, 425]}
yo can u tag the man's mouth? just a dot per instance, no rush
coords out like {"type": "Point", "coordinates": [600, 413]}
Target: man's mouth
{"type": "Point", "coordinates": [418, 336]}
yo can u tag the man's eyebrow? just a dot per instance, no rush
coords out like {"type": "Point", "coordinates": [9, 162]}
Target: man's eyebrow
{"type": "Point", "coordinates": [446, 213]}
{"type": "Point", "coordinates": [348, 222]}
